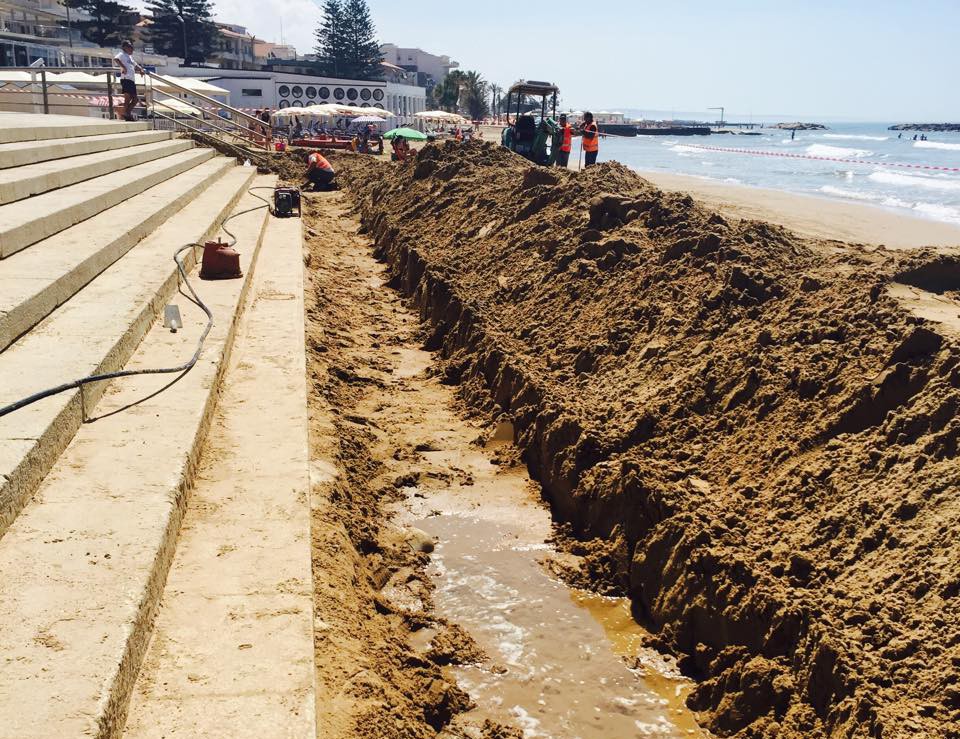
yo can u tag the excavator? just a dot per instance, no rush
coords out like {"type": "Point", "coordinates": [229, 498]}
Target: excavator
{"type": "Point", "coordinates": [525, 136]}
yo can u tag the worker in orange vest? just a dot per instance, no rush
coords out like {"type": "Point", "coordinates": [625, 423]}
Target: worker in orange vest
{"type": "Point", "coordinates": [590, 141]}
{"type": "Point", "coordinates": [320, 172]}
{"type": "Point", "coordinates": [566, 142]}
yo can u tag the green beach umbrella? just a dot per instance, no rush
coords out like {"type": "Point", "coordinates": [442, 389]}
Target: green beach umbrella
{"type": "Point", "coordinates": [405, 133]}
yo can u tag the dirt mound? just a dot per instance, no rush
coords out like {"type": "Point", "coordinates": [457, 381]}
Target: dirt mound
{"type": "Point", "coordinates": [763, 436]}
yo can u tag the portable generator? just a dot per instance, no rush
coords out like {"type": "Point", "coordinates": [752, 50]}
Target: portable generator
{"type": "Point", "coordinates": [285, 200]}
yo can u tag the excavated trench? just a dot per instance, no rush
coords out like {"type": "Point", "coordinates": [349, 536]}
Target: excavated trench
{"type": "Point", "coordinates": [751, 434]}
{"type": "Point", "coordinates": [439, 606]}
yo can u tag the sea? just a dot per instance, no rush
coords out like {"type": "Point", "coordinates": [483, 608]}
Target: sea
{"type": "Point", "coordinates": [808, 164]}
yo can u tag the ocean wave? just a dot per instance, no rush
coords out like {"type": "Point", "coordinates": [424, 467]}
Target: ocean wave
{"type": "Point", "coordinates": [936, 145]}
{"type": "Point", "coordinates": [913, 180]}
{"type": "Point", "coordinates": [686, 151]}
{"type": "Point", "coordinates": [822, 150]}
{"type": "Point", "coordinates": [934, 211]}
{"type": "Point", "coordinates": [938, 212]}
{"type": "Point", "coordinates": [854, 137]}
{"type": "Point", "coordinates": [867, 197]}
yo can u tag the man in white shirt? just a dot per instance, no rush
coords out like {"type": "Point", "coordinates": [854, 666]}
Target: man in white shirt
{"type": "Point", "coordinates": [128, 82]}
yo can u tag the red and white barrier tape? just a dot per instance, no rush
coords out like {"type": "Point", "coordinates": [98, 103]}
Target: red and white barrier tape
{"type": "Point", "coordinates": [757, 152]}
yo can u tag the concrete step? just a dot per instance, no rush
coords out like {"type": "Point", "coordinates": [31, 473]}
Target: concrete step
{"type": "Point", "coordinates": [241, 574]}
{"type": "Point", "coordinates": [34, 281]}
{"type": "Point", "coordinates": [34, 179]}
{"type": "Point", "coordinates": [95, 332]}
{"type": "Point", "coordinates": [39, 127]}
{"type": "Point", "coordinates": [83, 568]}
{"type": "Point", "coordinates": [22, 153]}
{"type": "Point", "coordinates": [28, 221]}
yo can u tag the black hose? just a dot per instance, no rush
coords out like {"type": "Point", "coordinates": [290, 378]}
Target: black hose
{"type": "Point", "coordinates": [184, 368]}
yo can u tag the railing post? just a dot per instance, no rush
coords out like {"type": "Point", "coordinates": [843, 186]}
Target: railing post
{"type": "Point", "coordinates": [43, 88]}
{"type": "Point", "coordinates": [110, 93]}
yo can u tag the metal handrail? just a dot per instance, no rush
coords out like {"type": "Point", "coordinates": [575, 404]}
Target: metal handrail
{"type": "Point", "coordinates": [202, 120]}
{"type": "Point", "coordinates": [41, 72]}
{"type": "Point", "coordinates": [205, 98]}
{"type": "Point", "coordinates": [249, 132]}
{"type": "Point", "coordinates": [256, 157]}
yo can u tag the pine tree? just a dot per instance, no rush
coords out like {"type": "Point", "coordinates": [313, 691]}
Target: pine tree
{"type": "Point", "coordinates": [362, 50]}
{"type": "Point", "coordinates": [331, 40]}
{"type": "Point", "coordinates": [179, 21]}
{"type": "Point", "coordinates": [346, 42]}
{"type": "Point", "coordinates": [110, 22]}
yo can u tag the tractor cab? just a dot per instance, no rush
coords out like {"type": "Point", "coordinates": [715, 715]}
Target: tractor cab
{"type": "Point", "coordinates": [525, 135]}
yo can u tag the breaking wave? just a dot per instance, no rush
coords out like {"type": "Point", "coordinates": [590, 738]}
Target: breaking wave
{"type": "Point", "coordinates": [912, 180]}
{"type": "Point", "coordinates": [822, 150]}
{"type": "Point", "coordinates": [854, 137]}
{"type": "Point", "coordinates": [936, 145]}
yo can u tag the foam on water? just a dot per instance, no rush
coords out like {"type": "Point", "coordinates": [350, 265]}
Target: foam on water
{"type": "Point", "coordinates": [936, 145]}
{"type": "Point", "coordinates": [902, 179]}
{"type": "Point", "coordinates": [939, 212]}
{"type": "Point", "coordinates": [822, 150]}
{"type": "Point", "coordinates": [867, 197]}
{"type": "Point", "coordinates": [854, 137]}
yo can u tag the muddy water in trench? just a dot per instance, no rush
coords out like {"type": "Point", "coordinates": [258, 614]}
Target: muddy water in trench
{"type": "Point", "coordinates": [557, 657]}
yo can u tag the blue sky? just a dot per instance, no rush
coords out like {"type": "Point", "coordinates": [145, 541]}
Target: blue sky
{"type": "Point", "coordinates": [856, 59]}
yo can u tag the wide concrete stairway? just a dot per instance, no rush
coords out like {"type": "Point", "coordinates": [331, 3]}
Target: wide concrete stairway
{"type": "Point", "coordinates": [95, 481]}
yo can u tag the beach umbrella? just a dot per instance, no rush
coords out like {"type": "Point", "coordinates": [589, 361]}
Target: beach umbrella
{"type": "Point", "coordinates": [369, 119]}
{"type": "Point", "coordinates": [288, 113]}
{"type": "Point", "coordinates": [405, 133]}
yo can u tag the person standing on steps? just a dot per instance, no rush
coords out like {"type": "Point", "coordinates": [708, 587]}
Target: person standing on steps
{"type": "Point", "coordinates": [128, 81]}
{"type": "Point", "coordinates": [590, 140]}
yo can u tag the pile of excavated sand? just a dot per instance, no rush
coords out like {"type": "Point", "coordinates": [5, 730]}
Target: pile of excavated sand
{"type": "Point", "coordinates": [760, 439]}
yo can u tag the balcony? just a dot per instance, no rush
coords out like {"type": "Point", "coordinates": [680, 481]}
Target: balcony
{"type": "Point", "coordinates": [39, 33]}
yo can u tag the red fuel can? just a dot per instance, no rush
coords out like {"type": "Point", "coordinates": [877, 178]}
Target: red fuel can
{"type": "Point", "coordinates": [220, 262]}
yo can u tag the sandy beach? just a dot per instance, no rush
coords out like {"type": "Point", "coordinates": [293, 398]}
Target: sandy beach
{"type": "Point", "coordinates": [820, 218]}
{"type": "Point", "coordinates": [809, 215]}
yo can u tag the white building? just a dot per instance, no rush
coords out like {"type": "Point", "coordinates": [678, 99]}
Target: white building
{"type": "Point", "coordinates": [275, 90]}
{"type": "Point", "coordinates": [430, 68]}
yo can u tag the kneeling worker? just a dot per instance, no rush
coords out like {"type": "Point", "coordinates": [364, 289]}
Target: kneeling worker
{"type": "Point", "coordinates": [319, 172]}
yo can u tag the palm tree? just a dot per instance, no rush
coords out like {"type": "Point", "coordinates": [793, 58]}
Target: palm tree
{"type": "Point", "coordinates": [496, 97]}
{"type": "Point", "coordinates": [447, 93]}
{"type": "Point", "coordinates": [474, 97]}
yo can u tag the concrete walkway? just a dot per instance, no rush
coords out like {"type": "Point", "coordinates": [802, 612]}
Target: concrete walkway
{"type": "Point", "coordinates": [232, 649]}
